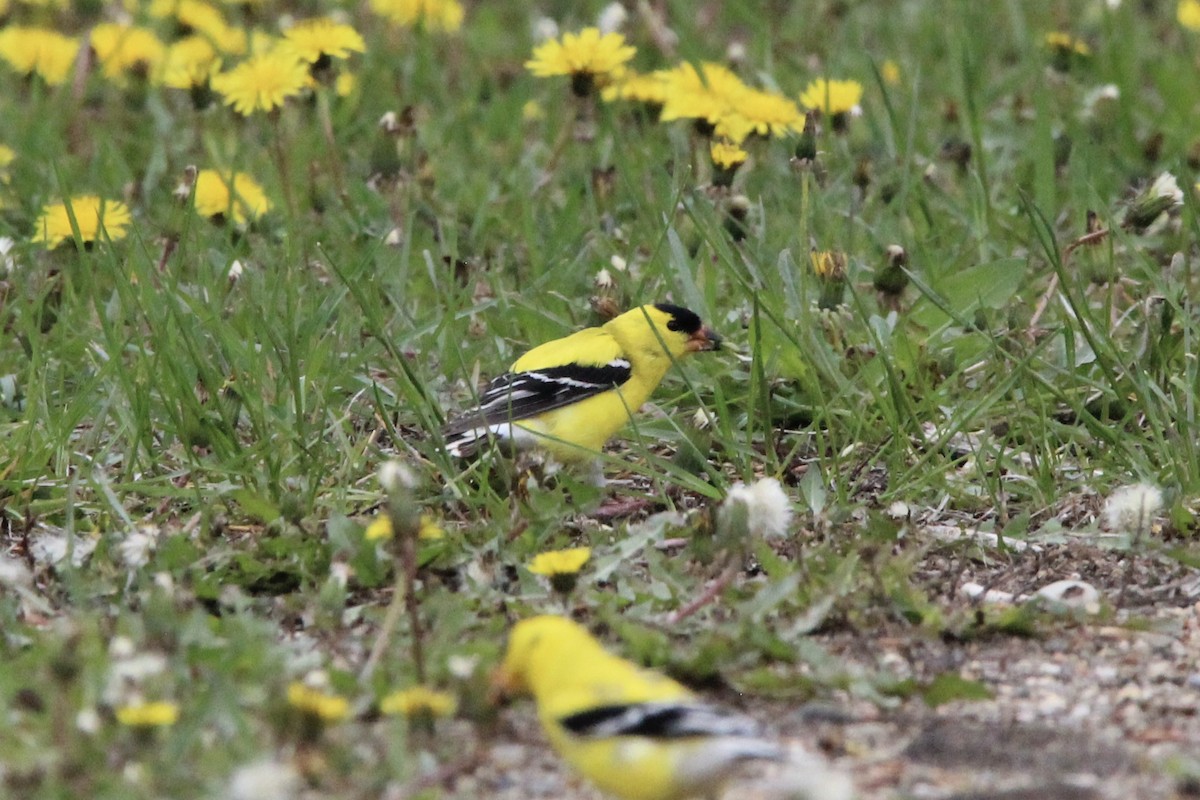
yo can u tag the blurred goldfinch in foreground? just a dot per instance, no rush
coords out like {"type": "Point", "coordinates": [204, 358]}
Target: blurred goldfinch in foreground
{"type": "Point", "coordinates": [634, 733]}
{"type": "Point", "coordinates": [572, 394]}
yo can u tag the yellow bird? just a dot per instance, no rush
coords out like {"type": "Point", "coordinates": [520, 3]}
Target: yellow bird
{"type": "Point", "coordinates": [572, 394]}
{"type": "Point", "coordinates": [636, 734]}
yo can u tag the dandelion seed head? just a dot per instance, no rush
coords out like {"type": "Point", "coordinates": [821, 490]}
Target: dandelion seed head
{"type": "Point", "coordinates": [768, 508]}
{"type": "Point", "coordinates": [1130, 509]}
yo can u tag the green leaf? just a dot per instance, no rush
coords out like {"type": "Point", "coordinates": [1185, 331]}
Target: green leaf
{"type": "Point", "coordinates": [255, 505]}
{"type": "Point", "coordinates": [954, 299]}
{"type": "Point", "coordinates": [951, 686]}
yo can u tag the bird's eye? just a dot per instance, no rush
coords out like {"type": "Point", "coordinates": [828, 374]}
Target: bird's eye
{"type": "Point", "coordinates": [674, 325]}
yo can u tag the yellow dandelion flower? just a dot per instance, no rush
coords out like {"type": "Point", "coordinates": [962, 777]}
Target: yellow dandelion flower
{"type": "Point", "coordinates": [262, 82]}
{"type": "Point", "coordinates": [213, 198]}
{"type": "Point", "coordinates": [1067, 44]}
{"type": "Point", "coordinates": [318, 41]}
{"type": "Point", "coordinates": [324, 706]}
{"type": "Point", "coordinates": [39, 51]}
{"type": "Point", "coordinates": [889, 70]}
{"type": "Point", "coordinates": [92, 216]}
{"type": "Point", "coordinates": [589, 57]}
{"type": "Point", "coordinates": [828, 264]}
{"type": "Point", "coordinates": [435, 15]}
{"type": "Point", "coordinates": [198, 18]}
{"type": "Point", "coordinates": [230, 40]}
{"type": "Point", "coordinates": [190, 63]}
{"type": "Point", "coordinates": [560, 566]}
{"type": "Point", "coordinates": [430, 529]}
{"type": "Point", "coordinates": [159, 714]}
{"type": "Point", "coordinates": [124, 50]}
{"type": "Point", "coordinates": [727, 155]}
{"type": "Point", "coordinates": [830, 268]}
{"type": "Point", "coordinates": [758, 112]}
{"type": "Point", "coordinates": [832, 97]}
{"type": "Point", "coordinates": [419, 701]}
{"type": "Point", "coordinates": [381, 528]}
{"type": "Point", "coordinates": [560, 562]}
{"type": "Point", "coordinates": [649, 88]}
{"type": "Point", "coordinates": [708, 95]}
{"type": "Point", "coordinates": [1188, 14]}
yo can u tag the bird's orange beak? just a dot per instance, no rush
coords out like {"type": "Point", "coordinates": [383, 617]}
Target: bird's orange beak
{"type": "Point", "coordinates": [704, 339]}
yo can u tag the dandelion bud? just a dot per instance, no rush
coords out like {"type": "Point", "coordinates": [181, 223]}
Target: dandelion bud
{"type": "Point", "coordinates": [806, 148]}
{"type": "Point", "coordinates": [1065, 49]}
{"type": "Point", "coordinates": [606, 307]}
{"type": "Point", "coordinates": [1152, 147]}
{"type": "Point", "coordinates": [1151, 202]}
{"type": "Point", "coordinates": [604, 182]}
{"type": "Point", "coordinates": [398, 125]}
{"type": "Point", "coordinates": [956, 151]}
{"type": "Point", "coordinates": [892, 279]}
{"type": "Point", "coordinates": [862, 174]}
{"type": "Point", "coordinates": [830, 268]}
{"type": "Point", "coordinates": [1100, 105]}
{"type": "Point", "coordinates": [726, 158]}
{"type": "Point", "coordinates": [184, 190]}
{"type": "Point", "coordinates": [1095, 258]}
{"type": "Point", "coordinates": [737, 213]}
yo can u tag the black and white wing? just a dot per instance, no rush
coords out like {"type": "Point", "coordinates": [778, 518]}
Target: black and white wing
{"type": "Point", "coordinates": [515, 396]}
{"type": "Point", "coordinates": [664, 720]}
{"type": "Point", "coordinates": [720, 738]}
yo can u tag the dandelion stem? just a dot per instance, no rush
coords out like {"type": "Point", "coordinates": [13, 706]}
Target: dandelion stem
{"type": "Point", "coordinates": [281, 164]}
{"type": "Point", "coordinates": [390, 620]}
{"type": "Point", "coordinates": [406, 525]}
{"type": "Point", "coordinates": [408, 564]}
{"type": "Point", "coordinates": [334, 156]}
{"type": "Point", "coordinates": [1127, 578]}
{"type": "Point", "coordinates": [710, 593]}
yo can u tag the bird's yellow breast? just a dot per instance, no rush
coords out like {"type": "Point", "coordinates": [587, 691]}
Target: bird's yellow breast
{"type": "Point", "coordinates": [628, 767]}
{"type": "Point", "coordinates": [576, 432]}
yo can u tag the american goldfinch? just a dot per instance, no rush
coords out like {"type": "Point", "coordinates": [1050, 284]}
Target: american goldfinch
{"type": "Point", "coordinates": [572, 394]}
{"type": "Point", "coordinates": [634, 733]}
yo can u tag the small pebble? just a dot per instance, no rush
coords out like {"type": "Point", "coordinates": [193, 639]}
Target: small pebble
{"type": "Point", "coordinates": [1071, 594]}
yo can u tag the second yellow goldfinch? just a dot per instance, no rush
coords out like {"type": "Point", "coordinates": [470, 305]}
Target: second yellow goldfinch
{"type": "Point", "coordinates": [572, 394]}
{"type": "Point", "coordinates": [636, 734]}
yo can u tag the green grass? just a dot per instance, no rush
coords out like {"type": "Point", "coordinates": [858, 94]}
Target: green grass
{"type": "Point", "coordinates": [244, 420]}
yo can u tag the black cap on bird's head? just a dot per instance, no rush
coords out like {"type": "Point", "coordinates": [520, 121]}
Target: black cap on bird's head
{"type": "Point", "coordinates": [683, 320]}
